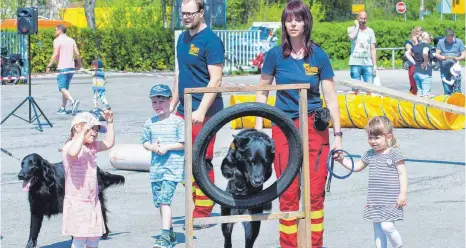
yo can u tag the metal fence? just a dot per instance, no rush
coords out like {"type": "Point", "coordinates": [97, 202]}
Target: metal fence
{"type": "Point", "coordinates": [393, 49]}
{"type": "Point", "coordinates": [14, 43]}
{"type": "Point", "coordinates": [240, 46]}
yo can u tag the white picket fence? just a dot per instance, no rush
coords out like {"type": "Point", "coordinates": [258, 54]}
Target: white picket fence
{"type": "Point", "coordinates": [240, 46]}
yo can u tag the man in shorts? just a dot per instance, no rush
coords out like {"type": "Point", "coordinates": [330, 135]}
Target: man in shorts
{"type": "Point", "coordinates": [63, 49]}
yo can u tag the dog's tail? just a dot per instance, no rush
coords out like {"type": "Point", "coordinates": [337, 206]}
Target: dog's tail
{"type": "Point", "coordinates": [108, 179]}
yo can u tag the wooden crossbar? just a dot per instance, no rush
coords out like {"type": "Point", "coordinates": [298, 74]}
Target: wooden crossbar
{"type": "Point", "coordinates": [246, 88]}
{"type": "Point", "coordinates": [249, 217]}
{"type": "Point", "coordinates": [402, 96]}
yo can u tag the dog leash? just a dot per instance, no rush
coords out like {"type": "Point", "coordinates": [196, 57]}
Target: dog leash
{"type": "Point", "coordinates": [9, 154]}
{"type": "Point", "coordinates": [331, 164]}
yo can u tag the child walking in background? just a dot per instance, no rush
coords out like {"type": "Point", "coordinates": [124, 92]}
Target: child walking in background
{"type": "Point", "coordinates": [164, 136]}
{"type": "Point", "coordinates": [454, 78]}
{"type": "Point", "coordinates": [388, 181]}
{"type": "Point", "coordinates": [98, 83]}
{"type": "Point", "coordinates": [82, 214]}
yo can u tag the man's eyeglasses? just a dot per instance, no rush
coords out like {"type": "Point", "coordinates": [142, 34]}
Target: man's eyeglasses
{"type": "Point", "coordinates": [189, 14]}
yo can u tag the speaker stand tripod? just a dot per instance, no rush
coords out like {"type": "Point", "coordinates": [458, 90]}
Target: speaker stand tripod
{"type": "Point", "coordinates": [32, 103]}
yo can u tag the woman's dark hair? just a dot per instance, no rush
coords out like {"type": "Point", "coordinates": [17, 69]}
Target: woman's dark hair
{"type": "Point", "coordinates": [300, 10]}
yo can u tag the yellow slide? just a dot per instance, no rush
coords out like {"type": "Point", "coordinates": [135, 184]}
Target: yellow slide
{"type": "Point", "coordinates": [356, 110]}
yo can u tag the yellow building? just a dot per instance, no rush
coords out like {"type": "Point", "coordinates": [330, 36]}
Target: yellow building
{"type": "Point", "coordinates": [77, 17]}
{"type": "Point", "coordinates": [458, 6]}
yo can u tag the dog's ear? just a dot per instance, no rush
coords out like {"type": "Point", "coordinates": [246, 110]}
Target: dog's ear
{"type": "Point", "coordinates": [47, 171]}
{"type": "Point", "coordinates": [240, 141]}
{"type": "Point", "coordinates": [272, 147]}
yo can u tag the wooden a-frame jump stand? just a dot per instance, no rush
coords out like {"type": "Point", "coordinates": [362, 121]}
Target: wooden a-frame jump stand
{"type": "Point", "coordinates": [303, 217]}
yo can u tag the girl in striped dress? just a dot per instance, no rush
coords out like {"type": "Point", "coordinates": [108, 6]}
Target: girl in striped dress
{"type": "Point", "coordinates": [388, 181]}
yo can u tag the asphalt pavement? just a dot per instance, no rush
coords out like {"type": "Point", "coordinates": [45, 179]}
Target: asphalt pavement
{"type": "Point", "coordinates": [434, 216]}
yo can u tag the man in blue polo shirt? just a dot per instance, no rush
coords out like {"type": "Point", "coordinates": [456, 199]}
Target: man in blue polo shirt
{"type": "Point", "coordinates": [200, 55]}
{"type": "Point", "coordinates": [449, 50]}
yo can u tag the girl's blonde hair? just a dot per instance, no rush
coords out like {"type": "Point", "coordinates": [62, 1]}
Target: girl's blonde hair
{"type": "Point", "coordinates": [381, 125]}
{"type": "Point", "coordinates": [417, 30]}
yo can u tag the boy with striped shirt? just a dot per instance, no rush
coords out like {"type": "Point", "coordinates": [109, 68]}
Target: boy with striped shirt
{"type": "Point", "coordinates": [164, 136]}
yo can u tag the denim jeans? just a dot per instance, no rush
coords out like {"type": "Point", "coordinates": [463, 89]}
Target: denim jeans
{"type": "Point", "coordinates": [423, 83]}
{"type": "Point", "coordinates": [450, 89]}
{"type": "Point", "coordinates": [364, 72]}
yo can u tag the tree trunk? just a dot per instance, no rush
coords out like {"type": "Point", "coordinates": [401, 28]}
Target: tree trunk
{"type": "Point", "coordinates": [173, 14]}
{"type": "Point", "coordinates": [164, 13]}
{"type": "Point", "coordinates": [89, 7]}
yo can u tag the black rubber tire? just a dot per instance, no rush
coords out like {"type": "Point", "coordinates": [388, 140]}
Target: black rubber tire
{"type": "Point", "coordinates": [214, 124]}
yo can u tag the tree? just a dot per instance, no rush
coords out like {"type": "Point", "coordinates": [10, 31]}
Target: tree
{"type": "Point", "coordinates": [52, 9]}
{"type": "Point", "coordinates": [166, 3]}
{"type": "Point", "coordinates": [89, 7]}
{"type": "Point", "coordinates": [335, 10]}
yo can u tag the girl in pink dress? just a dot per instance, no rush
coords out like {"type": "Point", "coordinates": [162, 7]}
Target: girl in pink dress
{"type": "Point", "coordinates": [82, 215]}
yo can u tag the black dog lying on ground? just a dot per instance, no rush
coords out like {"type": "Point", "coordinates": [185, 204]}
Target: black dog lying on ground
{"type": "Point", "coordinates": [46, 185]}
{"type": "Point", "coordinates": [247, 165]}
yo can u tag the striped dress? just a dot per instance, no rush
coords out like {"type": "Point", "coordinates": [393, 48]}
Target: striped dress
{"type": "Point", "coordinates": [384, 186]}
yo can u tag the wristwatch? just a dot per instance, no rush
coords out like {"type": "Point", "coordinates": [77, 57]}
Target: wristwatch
{"type": "Point", "coordinates": [338, 134]}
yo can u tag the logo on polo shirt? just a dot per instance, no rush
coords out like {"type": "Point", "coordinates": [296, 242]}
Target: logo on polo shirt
{"type": "Point", "coordinates": [193, 50]}
{"type": "Point", "coordinates": [310, 70]}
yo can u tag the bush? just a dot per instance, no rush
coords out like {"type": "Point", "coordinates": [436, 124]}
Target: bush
{"type": "Point", "coordinates": [132, 49]}
{"type": "Point", "coordinates": [143, 49]}
{"type": "Point", "coordinates": [333, 39]}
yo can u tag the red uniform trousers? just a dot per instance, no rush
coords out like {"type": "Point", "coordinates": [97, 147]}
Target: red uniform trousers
{"type": "Point", "coordinates": [412, 82]}
{"type": "Point", "coordinates": [289, 200]}
{"type": "Point", "coordinates": [202, 204]}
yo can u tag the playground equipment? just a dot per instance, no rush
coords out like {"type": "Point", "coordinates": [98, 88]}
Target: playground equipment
{"type": "Point", "coordinates": [356, 110]}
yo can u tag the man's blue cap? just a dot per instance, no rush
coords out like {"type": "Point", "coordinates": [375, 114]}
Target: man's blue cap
{"type": "Point", "coordinates": [160, 90]}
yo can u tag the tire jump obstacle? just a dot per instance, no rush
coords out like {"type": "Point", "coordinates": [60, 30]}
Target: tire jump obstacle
{"type": "Point", "coordinates": [135, 157]}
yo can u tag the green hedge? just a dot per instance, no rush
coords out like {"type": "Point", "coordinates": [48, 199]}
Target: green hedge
{"type": "Point", "coordinates": [143, 49]}
{"type": "Point", "coordinates": [333, 39]}
{"type": "Point", "coordinates": [132, 49]}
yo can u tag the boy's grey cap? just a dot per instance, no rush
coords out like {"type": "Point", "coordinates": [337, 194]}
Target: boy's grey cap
{"type": "Point", "coordinates": [160, 90]}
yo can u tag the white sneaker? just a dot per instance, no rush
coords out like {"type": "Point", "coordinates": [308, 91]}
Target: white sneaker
{"type": "Point", "coordinates": [74, 107]}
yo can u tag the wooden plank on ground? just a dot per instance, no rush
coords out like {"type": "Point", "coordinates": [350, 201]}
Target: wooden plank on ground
{"type": "Point", "coordinates": [356, 84]}
{"type": "Point", "coordinates": [246, 88]}
{"type": "Point", "coordinates": [252, 217]}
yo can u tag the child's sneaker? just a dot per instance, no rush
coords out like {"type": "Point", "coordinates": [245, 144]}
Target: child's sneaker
{"type": "Point", "coordinates": [163, 242]}
{"type": "Point", "coordinates": [108, 106]}
{"type": "Point", "coordinates": [173, 237]}
{"type": "Point", "coordinates": [74, 107]}
{"type": "Point", "coordinates": [61, 111]}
